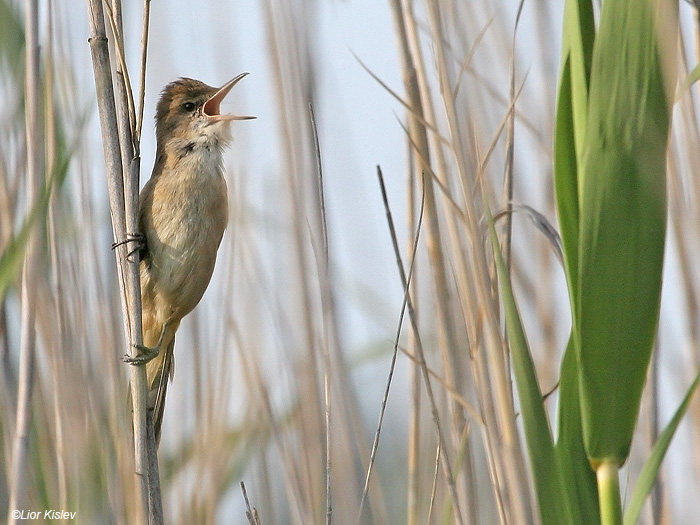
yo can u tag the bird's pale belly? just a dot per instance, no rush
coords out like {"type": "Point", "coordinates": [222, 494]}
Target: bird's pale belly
{"type": "Point", "coordinates": [182, 244]}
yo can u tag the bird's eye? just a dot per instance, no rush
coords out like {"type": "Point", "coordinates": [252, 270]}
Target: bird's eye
{"type": "Point", "coordinates": [188, 106]}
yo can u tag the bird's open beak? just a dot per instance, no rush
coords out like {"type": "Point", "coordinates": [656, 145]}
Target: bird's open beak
{"type": "Point", "coordinates": [212, 107]}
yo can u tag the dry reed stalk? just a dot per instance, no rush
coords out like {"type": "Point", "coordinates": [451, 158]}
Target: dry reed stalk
{"type": "Point", "coordinates": [454, 218]}
{"type": "Point", "coordinates": [117, 125]}
{"type": "Point", "coordinates": [407, 304]}
{"type": "Point", "coordinates": [289, 96]}
{"type": "Point", "coordinates": [493, 384]}
{"type": "Point", "coordinates": [328, 309]}
{"type": "Point", "coordinates": [414, 167]}
{"type": "Point", "coordinates": [684, 192]}
{"type": "Point", "coordinates": [508, 177]}
{"type": "Point", "coordinates": [323, 372]}
{"type": "Point", "coordinates": [262, 403]}
{"type": "Point", "coordinates": [57, 352]}
{"type": "Point", "coordinates": [128, 129]}
{"type": "Point", "coordinates": [18, 480]}
{"type": "Point", "coordinates": [465, 285]}
{"type": "Point", "coordinates": [265, 323]}
{"type": "Point", "coordinates": [416, 97]}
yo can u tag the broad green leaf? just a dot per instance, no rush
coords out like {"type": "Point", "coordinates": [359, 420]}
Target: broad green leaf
{"type": "Point", "coordinates": [653, 462]}
{"type": "Point", "coordinates": [622, 217]}
{"type": "Point", "coordinates": [579, 478]}
{"type": "Point", "coordinates": [553, 500]}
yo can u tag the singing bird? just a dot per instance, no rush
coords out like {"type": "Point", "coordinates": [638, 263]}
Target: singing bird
{"type": "Point", "coordinates": [183, 211]}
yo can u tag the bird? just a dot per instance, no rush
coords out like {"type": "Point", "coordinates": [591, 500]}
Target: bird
{"type": "Point", "coordinates": [183, 212]}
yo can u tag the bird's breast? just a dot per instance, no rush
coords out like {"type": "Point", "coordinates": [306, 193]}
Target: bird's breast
{"type": "Point", "coordinates": [184, 215]}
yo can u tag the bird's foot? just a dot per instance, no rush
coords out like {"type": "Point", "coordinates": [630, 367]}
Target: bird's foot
{"type": "Point", "coordinates": [143, 355]}
{"type": "Point", "coordinates": [138, 238]}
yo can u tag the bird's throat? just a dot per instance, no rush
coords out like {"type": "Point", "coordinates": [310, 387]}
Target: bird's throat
{"type": "Point", "coordinates": [191, 158]}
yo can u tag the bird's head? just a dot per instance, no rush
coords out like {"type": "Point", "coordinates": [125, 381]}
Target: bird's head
{"type": "Point", "coordinates": [189, 115]}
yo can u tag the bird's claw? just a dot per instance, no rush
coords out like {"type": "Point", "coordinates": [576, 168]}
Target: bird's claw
{"type": "Point", "coordinates": [143, 356]}
{"type": "Point", "coordinates": [137, 237]}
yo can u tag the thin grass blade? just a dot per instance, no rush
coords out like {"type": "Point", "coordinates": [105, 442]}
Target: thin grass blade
{"type": "Point", "coordinates": [554, 504]}
{"type": "Point", "coordinates": [653, 463]}
{"type": "Point", "coordinates": [571, 117]}
{"type": "Point", "coordinates": [12, 257]}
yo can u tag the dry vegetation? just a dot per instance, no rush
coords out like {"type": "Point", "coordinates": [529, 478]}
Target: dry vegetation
{"type": "Point", "coordinates": [273, 396]}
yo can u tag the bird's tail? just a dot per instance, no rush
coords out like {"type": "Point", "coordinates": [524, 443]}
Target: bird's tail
{"type": "Point", "coordinates": [159, 371]}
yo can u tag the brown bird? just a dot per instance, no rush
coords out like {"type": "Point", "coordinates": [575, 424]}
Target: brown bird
{"type": "Point", "coordinates": [183, 211]}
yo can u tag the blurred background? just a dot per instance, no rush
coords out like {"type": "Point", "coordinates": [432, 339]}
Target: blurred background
{"type": "Point", "coordinates": [247, 402]}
